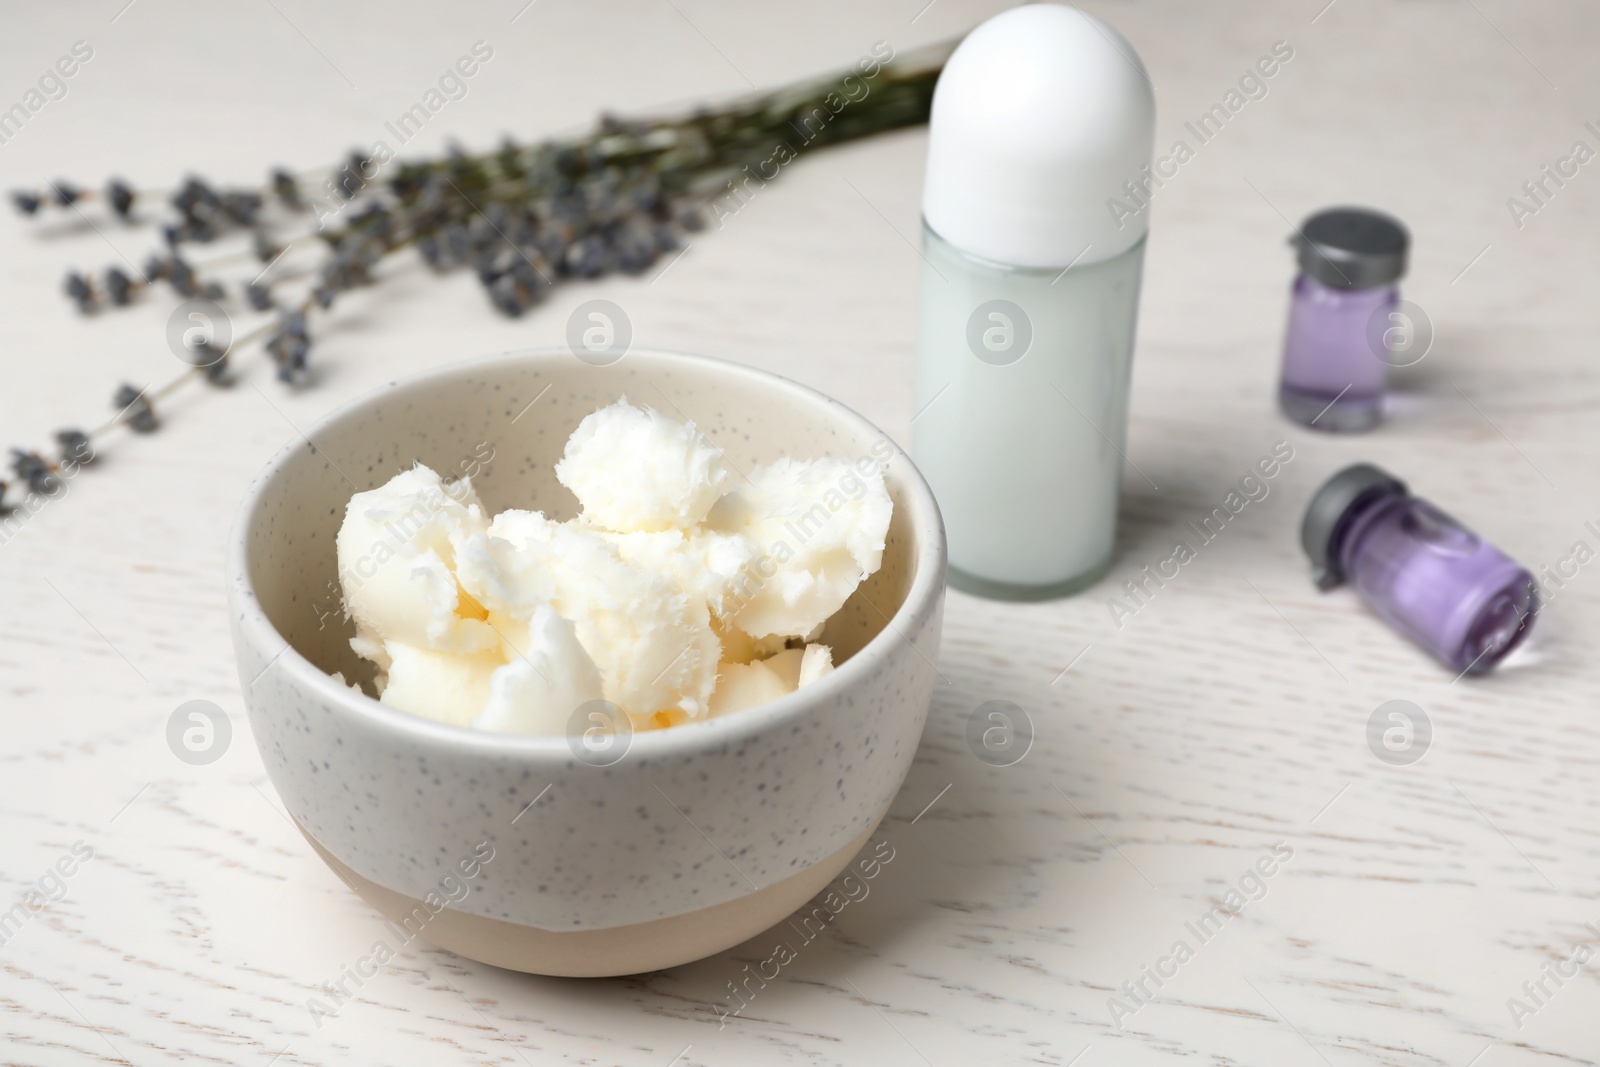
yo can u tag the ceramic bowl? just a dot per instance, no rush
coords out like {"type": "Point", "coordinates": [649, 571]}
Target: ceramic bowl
{"type": "Point", "coordinates": [535, 853]}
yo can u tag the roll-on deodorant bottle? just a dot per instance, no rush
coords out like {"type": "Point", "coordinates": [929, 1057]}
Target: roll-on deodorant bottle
{"type": "Point", "coordinates": [1039, 151]}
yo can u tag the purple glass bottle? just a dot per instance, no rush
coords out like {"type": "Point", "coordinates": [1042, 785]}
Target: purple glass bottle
{"type": "Point", "coordinates": [1337, 354]}
{"type": "Point", "coordinates": [1431, 578]}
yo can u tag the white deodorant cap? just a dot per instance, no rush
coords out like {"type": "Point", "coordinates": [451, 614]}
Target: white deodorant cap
{"type": "Point", "coordinates": [1040, 116]}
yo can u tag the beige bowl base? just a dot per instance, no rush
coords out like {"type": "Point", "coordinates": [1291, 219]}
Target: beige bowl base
{"type": "Point", "coordinates": [630, 949]}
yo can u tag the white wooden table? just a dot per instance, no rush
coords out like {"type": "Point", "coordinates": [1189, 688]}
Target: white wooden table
{"type": "Point", "coordinates": [1229, 714]}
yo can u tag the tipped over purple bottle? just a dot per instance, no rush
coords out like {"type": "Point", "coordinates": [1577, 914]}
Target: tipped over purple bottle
{"type": "Point", "coordinates": [1337, 354]}
{"type": "Point", "coordinates": [1431, 578]}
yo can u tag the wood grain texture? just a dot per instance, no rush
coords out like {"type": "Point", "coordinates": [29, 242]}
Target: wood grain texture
{"type": "Point", "coordinates": [1226, 715]}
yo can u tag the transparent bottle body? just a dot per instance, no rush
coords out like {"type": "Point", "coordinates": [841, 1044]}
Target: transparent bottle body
{"type": "Point", "coordinates": [1450, 591]}
{"type": "Point", "coordinates": [1333, 379]}
{"type": "Point", "coordinates": [1021, 413]}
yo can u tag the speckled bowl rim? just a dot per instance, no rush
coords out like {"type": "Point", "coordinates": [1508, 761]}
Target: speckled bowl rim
{"type": "Point", "coordinates": [686, 738]}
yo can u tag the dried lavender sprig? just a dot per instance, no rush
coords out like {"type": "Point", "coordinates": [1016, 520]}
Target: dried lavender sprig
{"type": "Point", "coordinates": [541, 175]}
{"type": "Point", "coordinates": [121, 196]}
{"type": "Point", "coordinates": [568, 198]}
{"type": "Point", "coordinates": [62, 193]}
{"type": "Point", "coordinates": [701, 146]}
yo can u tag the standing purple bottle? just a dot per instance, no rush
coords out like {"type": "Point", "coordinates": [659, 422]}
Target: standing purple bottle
{"type": "Point", "coordinates": [1428, 576]}
{"type": "Point", "coordinates": [1340, 342]}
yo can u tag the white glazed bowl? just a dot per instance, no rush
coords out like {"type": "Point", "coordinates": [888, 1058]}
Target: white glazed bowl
{"type": "Point", "coordinates": [701, 835]}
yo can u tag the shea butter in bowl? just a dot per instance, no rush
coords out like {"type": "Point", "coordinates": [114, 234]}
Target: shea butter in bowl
{"type": "Point", "coordinates": [551, 854]}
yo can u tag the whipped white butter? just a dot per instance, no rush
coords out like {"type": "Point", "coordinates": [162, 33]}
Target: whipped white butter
{"type": "Point", "coordinates": [634, 469]}
{"type": "Point", "coordinates": [397, 561]}
{"type": "Point", "coordinates": [817, 528]}
{"type": "Point", "coordinates": [651, 642]}
{"type": "Point", "coordinates": [685, 589]}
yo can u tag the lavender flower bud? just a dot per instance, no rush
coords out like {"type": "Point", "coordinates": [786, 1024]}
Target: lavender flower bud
{"type": "Point", "coordinates": [181, 275]}
{"type": "Point", "coordinates": [33, 470]}
{"type": "Point", "coordinates": [135, 408]}
{"type": "Point", "coordinates": [77, 288]}
{"type": "Point", "coordinates": [488, 267]}
{"type": "Point", "coordinates": [118, 286]}
{"type": "Point", "coordinates": [509, 297]}
{"type": "Point", "coordinates": [121, 196]}
{"type": "Point", "coordinates": [242, 208]}
{"type": "Point", "coordinates": [634, 251]}
{"type": "Point", "coordinates": [75, 446]}
{"type": "Point", "coordinates": [216, 371]}
{"type": "Point", "coordinates": [587, 257]}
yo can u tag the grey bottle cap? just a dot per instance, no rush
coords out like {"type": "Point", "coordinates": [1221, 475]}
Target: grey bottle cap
{"type": "Point", "coordinates": [1356, 485]}
{"type": "Point", "coordinates": [1352, 248]}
